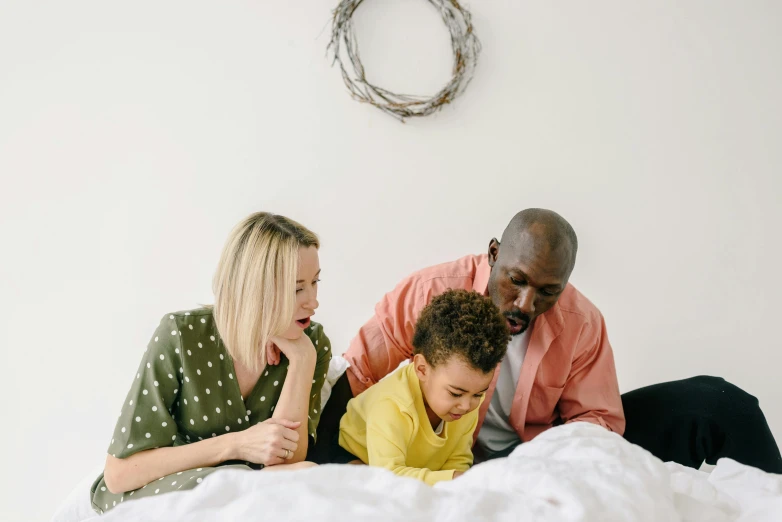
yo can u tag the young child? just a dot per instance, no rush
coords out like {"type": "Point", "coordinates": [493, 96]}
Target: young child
{"type": "Point", "coordinates": [419, 421]}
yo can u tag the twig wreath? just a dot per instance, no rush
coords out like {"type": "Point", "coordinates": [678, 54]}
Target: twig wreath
{"type": "Point", "coordinates": [466, 48]}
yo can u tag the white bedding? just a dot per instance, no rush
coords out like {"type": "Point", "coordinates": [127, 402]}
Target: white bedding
{"type": "Point", "coordinates": [577, 472]}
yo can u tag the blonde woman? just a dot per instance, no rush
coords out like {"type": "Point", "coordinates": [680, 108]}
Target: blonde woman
{"type": "Point", "coordinates": [234, 384]}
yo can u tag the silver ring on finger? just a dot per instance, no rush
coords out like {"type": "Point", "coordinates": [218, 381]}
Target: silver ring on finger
{"type": "Point", "coordinates": [288, 454]}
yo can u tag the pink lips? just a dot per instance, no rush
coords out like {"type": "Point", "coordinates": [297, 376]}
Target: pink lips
{"type": "Point", "coordinates": [303, 323]}
{"type": "Point", "coordinates": [455, 416]}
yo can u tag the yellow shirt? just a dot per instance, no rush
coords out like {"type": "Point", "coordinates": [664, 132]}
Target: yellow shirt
{"type": "Point", "coordinates": [387, 426]}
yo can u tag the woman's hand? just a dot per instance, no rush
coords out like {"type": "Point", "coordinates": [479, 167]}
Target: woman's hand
{"type": "Point", "coordinates": [270, 442]}
{"type": "Point", "coordinates": [272, 354]}
{"type": "Point", "coordinates": [300, 350]}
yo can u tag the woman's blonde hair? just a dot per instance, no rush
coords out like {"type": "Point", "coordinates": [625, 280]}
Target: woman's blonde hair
{"type": "Point", "coordinates": [255, 284]}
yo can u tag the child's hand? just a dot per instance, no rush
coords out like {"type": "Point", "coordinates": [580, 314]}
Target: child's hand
{"type": "Point", "coordinates": [458, 474]}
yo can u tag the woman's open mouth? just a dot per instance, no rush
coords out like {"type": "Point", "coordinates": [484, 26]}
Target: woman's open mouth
{"type": "Point", "coordinates": [303, 323]}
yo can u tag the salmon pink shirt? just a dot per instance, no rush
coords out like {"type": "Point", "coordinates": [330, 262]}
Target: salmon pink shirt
{"type": "Point", "coordinates": [568, 372]}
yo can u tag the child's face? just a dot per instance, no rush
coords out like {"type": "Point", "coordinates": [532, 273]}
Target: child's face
{"type": "Point", "coordinates": [453, 388]}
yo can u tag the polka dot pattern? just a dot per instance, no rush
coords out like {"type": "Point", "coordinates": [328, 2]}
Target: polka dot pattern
{"type": "Point", "coordinates": [186, 390]}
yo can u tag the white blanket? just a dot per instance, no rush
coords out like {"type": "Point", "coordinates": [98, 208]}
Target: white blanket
{"type": "Point", "coordinates": [577, 472]}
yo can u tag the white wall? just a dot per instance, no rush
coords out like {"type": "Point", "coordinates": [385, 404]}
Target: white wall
{"type": "Point", "coordinates": [134, 135]}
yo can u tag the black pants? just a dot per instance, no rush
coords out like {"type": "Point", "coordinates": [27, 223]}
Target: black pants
{"type": "Point", "coordinates": [327, 449]}
{"type": "Point", "coordinates": [688, 421]}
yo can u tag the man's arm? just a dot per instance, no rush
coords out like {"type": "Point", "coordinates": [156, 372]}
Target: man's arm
{"type": "Point", "coordinates": [386, 339]}
{"type": "Point", "coordinates": [592, 390]}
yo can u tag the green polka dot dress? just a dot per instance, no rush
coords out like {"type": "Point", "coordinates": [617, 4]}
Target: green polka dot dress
{"type": "Point", "coordinates": [185, 390]}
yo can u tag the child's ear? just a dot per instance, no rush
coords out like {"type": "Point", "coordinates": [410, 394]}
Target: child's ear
{"type": "Point", "coordinates": [422, 368]}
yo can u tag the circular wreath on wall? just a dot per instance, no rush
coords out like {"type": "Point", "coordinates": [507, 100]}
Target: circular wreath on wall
{"type": "Point", "coordinates": [464, 43]}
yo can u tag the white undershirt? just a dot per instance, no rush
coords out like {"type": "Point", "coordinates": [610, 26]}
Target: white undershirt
{"type": "Point", "coordinates": [439, 428]}
{"type": "Point", "coordinates": [496, 433]}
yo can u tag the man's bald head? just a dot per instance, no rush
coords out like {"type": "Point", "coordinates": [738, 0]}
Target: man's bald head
{"type": "Point", "coordinates": [545, 229]}
{"type": "Point", "coordinates": [531, 267]}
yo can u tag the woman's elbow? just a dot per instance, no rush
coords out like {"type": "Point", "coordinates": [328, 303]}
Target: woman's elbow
{"type": "Point", "coordinates": [297, 458]}
{"type": "Point", "coordinates": [114, 475]}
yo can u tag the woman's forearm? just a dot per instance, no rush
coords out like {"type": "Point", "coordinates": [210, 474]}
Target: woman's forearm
{"type": "Point", "coordinates": [294, 401]}
{"type": "Point", "coordinates": [131, 473]}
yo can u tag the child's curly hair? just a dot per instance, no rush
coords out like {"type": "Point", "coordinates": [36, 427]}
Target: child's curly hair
{"type": "Point", "coordinates": [462, 323]}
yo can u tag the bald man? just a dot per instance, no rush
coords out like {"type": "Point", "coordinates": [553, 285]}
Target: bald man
{"type": "Point", "coordinates": [559, 366]}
